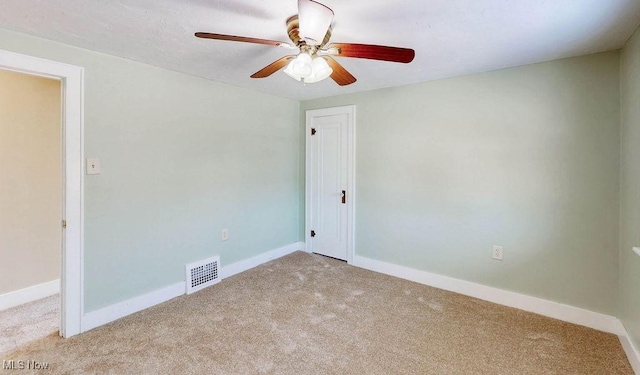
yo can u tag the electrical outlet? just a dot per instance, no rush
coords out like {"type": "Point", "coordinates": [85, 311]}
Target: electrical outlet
{"type": "Point", "coordinates": [497, 252]}
{"type": "Point", "coordinates": [224, 235]}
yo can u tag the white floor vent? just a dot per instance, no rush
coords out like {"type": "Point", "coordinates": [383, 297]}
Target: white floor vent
{"type": "Point", "coordinates": [202, 274]}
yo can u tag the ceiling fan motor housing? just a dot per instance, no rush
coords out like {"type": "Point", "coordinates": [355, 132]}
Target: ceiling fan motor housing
{"type": "Point", "coordinates": [293, 29]}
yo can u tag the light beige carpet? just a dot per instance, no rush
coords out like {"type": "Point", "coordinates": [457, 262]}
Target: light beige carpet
{"type": "Point", "coordinates": [29, 322]}
{"type": "Point", "coordinates": [307, 314]}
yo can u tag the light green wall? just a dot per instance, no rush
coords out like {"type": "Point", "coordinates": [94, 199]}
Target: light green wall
{"type": "Point", "coordinates": [630, 187]}
{"type": "Point", "coordinates": [181, 158]}
{"type": "Point", "coordinates": [526, 158]}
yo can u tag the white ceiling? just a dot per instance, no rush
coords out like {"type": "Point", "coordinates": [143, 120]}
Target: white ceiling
{"type": "Point", "coordinates": [450, 37]}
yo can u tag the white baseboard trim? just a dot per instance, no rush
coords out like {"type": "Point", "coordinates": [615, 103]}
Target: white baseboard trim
{"type": "Point", "coordinates": [119, 310]}
{"type": "Point", "coordinates": [631, 351]}
{"type": "Point", "coordinates": [30, 294]}
{"type": "Point", "coordinates": [304, 247]}
{"type": "Point", "coordinates": [243, 265]}
{"type": "Point", "coordinates": [536, 305]}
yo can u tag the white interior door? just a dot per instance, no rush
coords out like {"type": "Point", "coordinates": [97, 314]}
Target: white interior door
{"type": "Point", "coordinates": [330, 181]}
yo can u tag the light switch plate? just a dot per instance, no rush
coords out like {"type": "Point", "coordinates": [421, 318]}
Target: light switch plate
{"type": "Point", "coordinates": [636, 250]}
{"type": "Point", "coordinates": [93, 166]}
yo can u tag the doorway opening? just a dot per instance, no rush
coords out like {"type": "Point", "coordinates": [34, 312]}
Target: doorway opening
{"type": "Point", "coordinates": [31, 203]}
{"type": "Point", "coordinates": [71, 80]}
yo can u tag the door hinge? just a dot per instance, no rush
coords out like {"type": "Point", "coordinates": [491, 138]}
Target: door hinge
{"type": "Point", "coordinates": [313, 233]}
{"type": "Point", "coordinates": [313, 131]}
{"type": "Point", "coordinates": [64, 223]}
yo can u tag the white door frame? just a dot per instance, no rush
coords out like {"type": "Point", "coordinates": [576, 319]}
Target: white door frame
{"type": "Point", "coordinates": [350, 110]}
{"type": "Point", "coordinates": [72, 85]}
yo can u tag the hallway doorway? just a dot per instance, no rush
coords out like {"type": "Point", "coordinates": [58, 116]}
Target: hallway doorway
{"type": "Point", "coordinates": [71, 81]}
{"type": "Point", "coordinates": [31, 201]}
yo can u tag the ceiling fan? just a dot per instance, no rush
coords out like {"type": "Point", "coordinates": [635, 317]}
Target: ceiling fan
{"type": "Point", "coordinates": [310, 31]}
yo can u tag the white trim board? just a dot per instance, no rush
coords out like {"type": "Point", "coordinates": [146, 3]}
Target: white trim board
{"type": "Point", "coordinates": [536, 305]}
{"type": "Point", "coordinates": [631, 351]}
{"type": "Point", "coordinates": [30, 294]}
{"type": "Point", "coordinates": [247, 264]}
{"type": "Point", "coordinates": [119, 310]}
{"type": "Point", "coordinates": [72, 84]}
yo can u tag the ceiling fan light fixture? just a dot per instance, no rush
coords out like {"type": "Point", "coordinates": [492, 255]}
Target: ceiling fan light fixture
{"type": "Point", "coordinates": [302, 65]}
{"type": "Point", "coordinates": [318, 68]}
{"type": "Point", "coordinates": [315, 19]}
{"type": "Point", "coordinates": [289, 72]}
{"type": "Point", "coordinates": [321, 70]}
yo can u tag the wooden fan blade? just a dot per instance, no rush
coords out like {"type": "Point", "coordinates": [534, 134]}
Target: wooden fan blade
{"type": "Point", "coordinates": [273, 67]}
{"type": "Point", "coordinates": [373, 52]}
{"type": "Point", "coordinates": [235, 38]}
{"type": "Point", "coordinates": [340, 74]}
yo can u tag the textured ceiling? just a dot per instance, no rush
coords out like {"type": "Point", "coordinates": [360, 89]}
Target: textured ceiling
{"type": "Point", "coordinates": [450, 37]}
